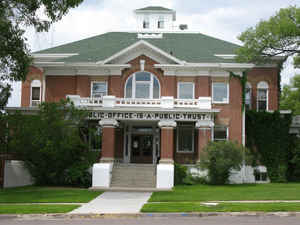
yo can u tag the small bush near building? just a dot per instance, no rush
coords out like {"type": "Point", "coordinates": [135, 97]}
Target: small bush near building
{"type": "Point", "coordinates": [219, 158]}
{"type": "Point", "coordinates": [180, 174]}
{"type": "Point", "coordinates": [51, 144]}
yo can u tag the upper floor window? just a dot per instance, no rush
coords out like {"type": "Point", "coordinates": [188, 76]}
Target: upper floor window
{"type": "Point", "coordinates": [220, 92]}
{"type": "Point", "coordinates": [98, 89]}
{"type": "Point", "coordinates": [142, 85]}
{"type": "Point", "coordinates": [161, 22]}
{"type": "Point", "coordinates": [35, 98]}
{"type": "Point", "coordinates": [186, 90]}
{"type": "Point", "coordinates": [262, 96]}
{"type": "Point", "coordinates": [248, 96]}
{"type": "Point", "coordinates": [146, 22]}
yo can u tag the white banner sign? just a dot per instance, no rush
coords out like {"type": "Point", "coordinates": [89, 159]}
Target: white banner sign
{"type": "Point", "coordinates": [186, 116]}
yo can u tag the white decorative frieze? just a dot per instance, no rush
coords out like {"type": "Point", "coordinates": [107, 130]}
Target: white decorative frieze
{"type": "Point", "coordinates": [204, 124]}
{"type": "Point", "coordinates": [108, 123]}
{"type": "Point", "coordinates": [167, 123]}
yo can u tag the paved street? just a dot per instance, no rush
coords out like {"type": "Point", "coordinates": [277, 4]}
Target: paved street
{"type": "Point", "coordinates": [211, 220]}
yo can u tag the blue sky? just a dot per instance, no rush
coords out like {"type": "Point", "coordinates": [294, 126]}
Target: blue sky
{"type": "Point", "coordinates": [224, 19]}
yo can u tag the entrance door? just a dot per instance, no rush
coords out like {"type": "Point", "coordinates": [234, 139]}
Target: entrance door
{"type": "Point", "coordinates": [141, 148]}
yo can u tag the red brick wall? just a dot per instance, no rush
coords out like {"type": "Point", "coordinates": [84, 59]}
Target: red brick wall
{"type": "Point", "coordinates": [57, 87]}
{"type": "Point", "coordinates": [270, 76]}
{"type": "Point", "coordinates": [34, 74]}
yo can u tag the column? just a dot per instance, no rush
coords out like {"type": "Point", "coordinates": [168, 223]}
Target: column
{"type": "Point", "coordinates": [102, 171]}
{"type": "Point", "coordinates": [204, 134]}
{"type": "Point", "coordinates": [108, 139]}
{"type": "Point", "coordinates": [165, 168]}
{"type": "Point", "coordinates": [167, 141]}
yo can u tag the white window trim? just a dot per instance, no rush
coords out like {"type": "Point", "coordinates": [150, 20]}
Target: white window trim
{"type": "Point", "coordinates": [103, 82]}
{"type": "Point", "coordinates": [142, 82]}
{"type": "Point", "coordinates": [32, 86]}
{"type": "Point", "coordinates": [146, 20]}
{"type": "Point", "coordinates": [267, 100]}
{"type": "Point", "coordinates": [193, 138]}
{"type": "Point", "coordinates": [213, 134]}
{"type": "Point", "coordinates": [178, 92]}
{"type": "Point", "coordinates": [161, 19]}
{"type": "Point", "coordinates": [212, 94]}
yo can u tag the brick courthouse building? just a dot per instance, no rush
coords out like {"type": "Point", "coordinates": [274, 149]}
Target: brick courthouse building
{"type": "Point", "coordinates": [158, 95]}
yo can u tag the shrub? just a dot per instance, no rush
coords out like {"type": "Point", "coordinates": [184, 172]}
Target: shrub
{"type": "Point", "coordinates": [51, 146]}
{"type": "Point", "coordinates": [180, 174]}
{"type": "Point", "coordinates": [219, 158]}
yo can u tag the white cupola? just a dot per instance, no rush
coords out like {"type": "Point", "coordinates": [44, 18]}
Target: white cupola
{"type": "Point", "coordinates": [155, 18]}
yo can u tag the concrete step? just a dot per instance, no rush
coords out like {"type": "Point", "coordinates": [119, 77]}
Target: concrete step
{"type": "Point", "coordinates": [134, 175]}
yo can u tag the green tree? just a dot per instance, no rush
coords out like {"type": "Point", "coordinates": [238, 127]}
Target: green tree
{"type": "Point", "coordinates": [15, 16]}
{"type": "Point", "coordinates": [50, 144]}
{"type": "Point", "coordinates": [277, 36]}
{"type": "Point", "coordinates": [290, 96]}
{"type": "Point", "coordinates": [219, 158]}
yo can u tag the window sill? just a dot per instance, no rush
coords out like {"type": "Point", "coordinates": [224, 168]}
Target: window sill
{"type": "Point", "coordinates": [185, 152]}
{"type": "Point", "coordinates": [220, 103]}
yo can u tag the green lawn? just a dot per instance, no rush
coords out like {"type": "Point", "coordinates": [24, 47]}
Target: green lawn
{"type": "Point", "coordinates": [36, 209]}
{"type": "Point", "coordinates": [222, 207]}
{"type": "Point", "coordinates": [181, 193]}
{"type": "Point", "coordinates": [33, 194]}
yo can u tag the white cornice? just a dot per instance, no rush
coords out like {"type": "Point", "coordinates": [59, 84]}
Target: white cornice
{"type": "Point", "coordinates": [51, 57]}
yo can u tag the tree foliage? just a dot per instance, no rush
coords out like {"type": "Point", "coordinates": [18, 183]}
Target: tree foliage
{"type": "Point", "coordinates": [15, 16]}
{"type": "Point", "coordinates": [220, 158]}
{"type": "Point", "coordinates": [290, 96]}
{"type": "Point", "coordinates": [270, 142]}
{"type": "Point", "coordinates": [50, 144]}
{"type": "Point", "coordinates": [277, 36]}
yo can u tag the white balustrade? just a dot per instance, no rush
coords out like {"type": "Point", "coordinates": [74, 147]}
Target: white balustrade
{"type": "Point", "coordinates": [137, 102]}
{"type": "Point", "coordinates": [165, 102]}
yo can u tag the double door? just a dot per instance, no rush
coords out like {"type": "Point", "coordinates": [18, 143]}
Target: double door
{"type": "Point", "coordinates": [141, 144]}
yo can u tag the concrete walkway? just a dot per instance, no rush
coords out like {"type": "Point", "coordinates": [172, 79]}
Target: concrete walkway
{"type": "Point", "coordinates": [115, 202]}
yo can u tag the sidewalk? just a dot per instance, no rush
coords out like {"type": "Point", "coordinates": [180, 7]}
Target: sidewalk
{"type": "Point", "coordinates": [115, 202]}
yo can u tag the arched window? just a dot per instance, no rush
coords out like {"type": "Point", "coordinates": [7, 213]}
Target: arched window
{"type": "Point", "coordinates": [248, 96]}
{"type": "Point", "coordinates": [35, 93]}
{"type": "Point", "coordinates": [142, 85]}
{"type": "Point", "coordinates": [262, 96]}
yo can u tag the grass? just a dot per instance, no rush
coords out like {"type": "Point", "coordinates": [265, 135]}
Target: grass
{"type": "Point", "coordinates": [222, 207]}
{"type": "Point", "coordinates": [36, 209]}
{"type": "Point", "coordinates": [273, 191]}
{"type": "Point", "coordinates": [34, 194]}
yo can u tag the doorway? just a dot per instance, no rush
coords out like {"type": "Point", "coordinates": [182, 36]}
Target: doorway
{"type": "Point", "coordinates": [141, 143]}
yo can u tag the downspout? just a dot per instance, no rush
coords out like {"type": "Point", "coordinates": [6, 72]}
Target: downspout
{"type": "Point", "coordinates": [44, 87]}
{"type": "Point", "coordinates": [244, 141]}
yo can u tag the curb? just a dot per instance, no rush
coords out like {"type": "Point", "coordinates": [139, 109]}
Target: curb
{"type": "Point", "coordinates": [143, 215]}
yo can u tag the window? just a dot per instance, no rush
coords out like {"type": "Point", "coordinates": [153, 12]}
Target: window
{"type": "Point", "coordinates": [248, 94]}
{"type": "Point", "coordinates": [220, 133]}
{"type": "Point", "coordinates": [161, 22]}
{"type": "Point", "coordinates": [35, 99]}
{"type": "Point", "coordinates": [98, 89]}
{"type": "Point", "coordinates": [220, 92]}
{"type": "Point", "coordinates": [142, 85]}
{"type": "Point", "coordinates": [185, 138]}
{"type": "Point", "coordinates": [262, 96]}
{"type": "Point", "coordinates": [146, 23]}
{"type": "Point", "coordinates": [185, 90]}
